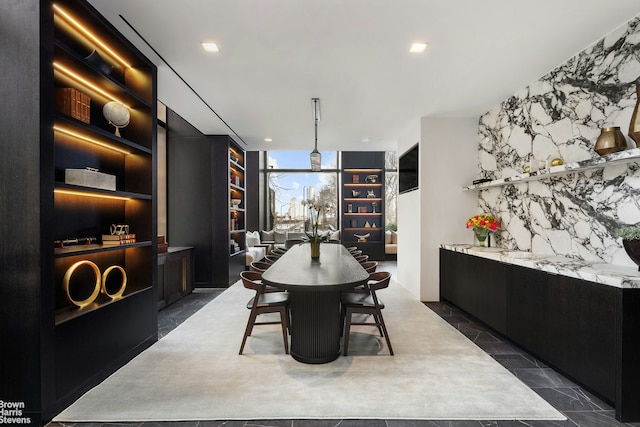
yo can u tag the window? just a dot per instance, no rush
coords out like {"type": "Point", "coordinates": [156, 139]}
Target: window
{"type": "Point", "coordinates": [291, 186]}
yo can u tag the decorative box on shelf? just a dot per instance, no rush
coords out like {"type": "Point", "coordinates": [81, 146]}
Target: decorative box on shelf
{"type": "Point", "coordinates": [90, 177]}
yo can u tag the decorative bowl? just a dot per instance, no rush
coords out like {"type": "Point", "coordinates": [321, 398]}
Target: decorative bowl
{"type": "Point", "coordinates": [236, 202]}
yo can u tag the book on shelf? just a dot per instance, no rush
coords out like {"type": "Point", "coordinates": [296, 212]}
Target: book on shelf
{"type": "Point", "coordinates": [118, 239]}
{"type": "Point", "coordinates": [73, 103]}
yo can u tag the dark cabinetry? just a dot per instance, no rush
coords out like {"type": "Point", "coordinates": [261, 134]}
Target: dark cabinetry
{"type": "Point", "coordinates": [175, 275]}
{"type": "Point", "coordinates": [586, 330]}
{"type": "Point", "coordinates": [485, 296]}
{"type": "Point", "coordinates": [205, 174]}
{"type": "Point", "coordinates": [363, 202]}
{"type": "Point", "coordinates": [91, 305]}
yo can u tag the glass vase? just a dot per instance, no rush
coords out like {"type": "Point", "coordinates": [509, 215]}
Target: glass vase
{"type": "Point", "coordinates": [315, 250]}
{"type": "Point", "coordinates": [481, 236]}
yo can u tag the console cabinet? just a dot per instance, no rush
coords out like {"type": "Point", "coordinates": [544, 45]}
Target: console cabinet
{"type": "Point", "coordinates": [175, 275]}
{"type": "Point", "coordinates": [74, 307]}
{"type": "Point", "coordinates": [587, 330]}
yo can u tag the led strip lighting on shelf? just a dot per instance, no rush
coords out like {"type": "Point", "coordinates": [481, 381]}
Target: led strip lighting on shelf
{"type": "Point", "coordinates": [89, 140]}
{"type": "Point", "coordinates": [70, 19]}
{"type": "Point", "coordinates": [85, 82]}
{"type": "Point", "coordinates": [88, 194]}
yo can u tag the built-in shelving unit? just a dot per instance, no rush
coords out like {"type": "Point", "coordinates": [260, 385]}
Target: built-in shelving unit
{"type": "Point", "coordinates": [363, 202]}
{"type": "Point", "coordinates": [95, 306]}
{"type": "Point", "coordinates": [237, 217]}
{"type": "Point", "coordinates": [627, 156]}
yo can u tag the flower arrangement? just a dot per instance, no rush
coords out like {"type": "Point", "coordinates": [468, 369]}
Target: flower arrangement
{"type": "Point", "coordinates": [630, 233]}
{"type": "Point", "coordinates": [483, 221]}
{"type": "Point", "coordinates": [314, 236]}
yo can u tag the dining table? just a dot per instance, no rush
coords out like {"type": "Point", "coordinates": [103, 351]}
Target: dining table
{"type": "Point", "coordinates": [315, 287]}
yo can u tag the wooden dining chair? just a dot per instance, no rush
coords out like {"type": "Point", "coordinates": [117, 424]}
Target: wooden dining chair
{"type": "Point", "coordinates": [352, 248]}
{"type": "Point", "coordinates": [262, 303]}
{"type": "Point", "coordinates": [369, 266]}
{"type": "Point", "coordinates": [259, 266]}
{"type": "Point", "coordinates": [271, 258]}
{"type": "Point", "coordinates": [356, 253]}
{"type": "Point", "coordinates": [366, 303]}
{"type": "Point", "coordinates": [362, 258]}
{"type": "Point", "coordinates": [278, 251]}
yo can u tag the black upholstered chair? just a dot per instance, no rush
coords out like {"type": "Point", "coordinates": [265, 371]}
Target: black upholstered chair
{"type": "Point", "coordinates": [366, 303]}
{"type": "Point", "coordinates": [262, 303]}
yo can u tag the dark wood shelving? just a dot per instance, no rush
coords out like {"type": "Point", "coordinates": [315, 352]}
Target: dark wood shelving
{"type": "Point", "coordinates": [96, 248]}
{"type": "Point", "coordinates": [359, 168]}
{"type": "Point", "coordinates": [117, 142]}
{"type": "Point", "coordinates": [73, 346]}
{"type": "Point", "coordinates": [100, 192]}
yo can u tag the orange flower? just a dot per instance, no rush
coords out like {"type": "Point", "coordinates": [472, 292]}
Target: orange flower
{"type": "Point", "coordinates": [484, 221]}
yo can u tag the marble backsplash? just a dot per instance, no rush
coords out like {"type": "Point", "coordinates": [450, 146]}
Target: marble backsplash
{"type": "Point", "coordinates": [560, 115]}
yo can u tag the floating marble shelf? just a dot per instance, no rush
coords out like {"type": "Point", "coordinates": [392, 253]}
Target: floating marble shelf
{"type": "Point", "coordinates": [621, 157]}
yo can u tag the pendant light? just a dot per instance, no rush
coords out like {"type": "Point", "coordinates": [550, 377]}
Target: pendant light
{"type": "Point", "coordinates": [315, 156]}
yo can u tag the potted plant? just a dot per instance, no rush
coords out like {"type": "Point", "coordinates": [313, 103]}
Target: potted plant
{"type": "Point", "coordinates": [631, 241]}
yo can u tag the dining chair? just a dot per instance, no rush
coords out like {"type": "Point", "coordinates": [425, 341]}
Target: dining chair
{"type": "Point", "coordinates": [271, 258]}
{"type": "Point", "coordinates": [289, 243]}
{"type": "Point", "coordinates": [352, 248]}
{"type": "Point", "coordinates": [262, 303]}
{"type": "Point", "coordinates": [356, 253]}
{"type": "Point", "coordinates": [362, 258]}
{"type": "Point", "coordinates": [278, 251]}
{"type": "Point", "coordinates": [369, 266]}
{"type": "Point", "coordinates": [259, 266]}
{"type": "Point", "coordinates": [366, 303]}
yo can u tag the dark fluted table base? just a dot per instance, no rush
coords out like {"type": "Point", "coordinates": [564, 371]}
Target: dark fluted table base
{"type": "Point", "coordinates": [315, 326]}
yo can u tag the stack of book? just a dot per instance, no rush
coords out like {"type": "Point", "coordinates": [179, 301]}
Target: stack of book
{"type": "Point", "coordinates": [118, 239]}
{"type": "Point", "coordinates": [73, 103]}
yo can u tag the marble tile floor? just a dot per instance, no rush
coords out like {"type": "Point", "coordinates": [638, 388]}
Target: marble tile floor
{"type": "Point", "coordinates": [579, 406]}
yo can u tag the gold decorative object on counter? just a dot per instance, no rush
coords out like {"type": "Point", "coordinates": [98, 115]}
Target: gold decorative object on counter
{"type": "Point", "coordinates": [611, 140]}
{"type": "Point", "coordinates": [527, 169]}
{"type": "Point", "coordinates": [67, 279]}
{"type": "Point", "coordinates": [634, 126]}
{"type": "Point", "coordinates": [123, 282]}
{"type": "Point", "coordinates": [557, 161]}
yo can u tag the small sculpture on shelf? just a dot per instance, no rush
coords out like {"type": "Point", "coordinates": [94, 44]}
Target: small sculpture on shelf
{"type": "Point", "coordinates": [362, 237]}
{"type": "Point", "coordinates": [371, 194]}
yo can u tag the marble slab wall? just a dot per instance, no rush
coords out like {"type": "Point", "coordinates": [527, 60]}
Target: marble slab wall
{"type": "Point", "coordinates": [560, 115]}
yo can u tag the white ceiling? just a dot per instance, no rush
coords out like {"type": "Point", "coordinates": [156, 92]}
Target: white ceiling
{"type": "Point", "coordinates": [275, 55]}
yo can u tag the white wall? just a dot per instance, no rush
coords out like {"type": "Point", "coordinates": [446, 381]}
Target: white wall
{"type": "Point", "coordinates": [437, 212]}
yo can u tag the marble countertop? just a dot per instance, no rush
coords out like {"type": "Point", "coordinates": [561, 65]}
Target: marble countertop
{"type": "Point", "coordinates": [619, 276]}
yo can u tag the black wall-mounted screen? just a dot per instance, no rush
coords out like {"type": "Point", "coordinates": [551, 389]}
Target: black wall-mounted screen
{"type": "Point", "coordinates": [408, 170]}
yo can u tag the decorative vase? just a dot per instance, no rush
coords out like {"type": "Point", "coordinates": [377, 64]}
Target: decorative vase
{"type": "Point", "coordinates": [634, 126]}
{"type": "Point", "coordinates": [315, 250]}
{"type": "Point", "coordinates": [633, 250]}
{"type": "Point", "coordinates": [611, 140]}
{"type": "Point", "coordinates": [481, 236]}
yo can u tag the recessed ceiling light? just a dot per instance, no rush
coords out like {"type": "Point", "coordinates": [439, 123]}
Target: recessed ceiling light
{"type": "Point", "coordinates": [210, 46]}
{"type": "Point", "coordinates": [418, 47]}
{"type": "Point", "coordinates": [268, 140]}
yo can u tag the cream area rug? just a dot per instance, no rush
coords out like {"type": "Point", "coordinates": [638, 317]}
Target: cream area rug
{"type": "Point", "coordinates": [195, 373]}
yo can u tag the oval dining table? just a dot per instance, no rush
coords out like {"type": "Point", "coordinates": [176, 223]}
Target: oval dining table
{"type": "Point", "coordinates": [315, 287]}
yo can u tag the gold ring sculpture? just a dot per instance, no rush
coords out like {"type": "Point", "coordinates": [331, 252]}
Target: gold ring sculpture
{"type": "Point", "coordinates": [67, 279]}
{"type": "Point", "coordinates": [120, 291]}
